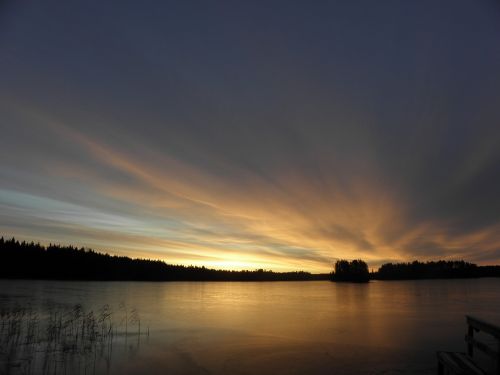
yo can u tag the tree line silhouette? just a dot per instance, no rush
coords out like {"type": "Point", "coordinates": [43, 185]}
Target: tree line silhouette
{"type": "Point", "coordinates": [434, 270]}
{"type": "Point", "coordinates": [352, 271]}
{"type": "Point", "coordinates": [23, 260]}
{"type": "Point", "coordinates": [357, 271]}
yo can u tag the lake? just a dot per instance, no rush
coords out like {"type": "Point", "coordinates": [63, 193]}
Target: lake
{"type": "Point", "coordinates": [315, 327]}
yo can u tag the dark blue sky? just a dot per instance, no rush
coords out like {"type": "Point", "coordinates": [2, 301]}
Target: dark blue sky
{"type": "Point", "coordinates": [253, 134]}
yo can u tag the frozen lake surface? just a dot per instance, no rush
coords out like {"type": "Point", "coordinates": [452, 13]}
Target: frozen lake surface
{"type": "Point", "coordinates": [384, 327]}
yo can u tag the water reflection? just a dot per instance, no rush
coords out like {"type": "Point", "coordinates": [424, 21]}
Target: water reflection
{"type": "Point", "coordinates": [280, 327]}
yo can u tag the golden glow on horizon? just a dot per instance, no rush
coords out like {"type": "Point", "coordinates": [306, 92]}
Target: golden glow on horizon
{"type": "Point", "coordinates": [185, 215]}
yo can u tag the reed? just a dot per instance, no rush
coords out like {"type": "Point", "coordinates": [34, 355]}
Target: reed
{"type": "Point", "coordinates": [62, 340]}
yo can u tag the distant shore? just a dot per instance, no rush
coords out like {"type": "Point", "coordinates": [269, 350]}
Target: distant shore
{"type": "Point", "coordinates": [442, 269]}
{"type": "Point", "coordinates": [23, 260]}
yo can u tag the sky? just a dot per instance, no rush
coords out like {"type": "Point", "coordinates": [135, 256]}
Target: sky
{"type": "Point", "coordinates": [253, 134]}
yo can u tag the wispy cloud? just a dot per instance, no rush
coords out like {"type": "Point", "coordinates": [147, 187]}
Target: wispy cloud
{"type": "Point", "coordinates": [209, 141]}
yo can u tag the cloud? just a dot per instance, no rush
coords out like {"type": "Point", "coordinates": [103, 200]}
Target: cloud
{"type": "Point", "coordinates": [213, 141]}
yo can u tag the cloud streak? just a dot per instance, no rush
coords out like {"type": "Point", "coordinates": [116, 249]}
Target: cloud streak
{"type": "Point", "coordinates": [242, 147]}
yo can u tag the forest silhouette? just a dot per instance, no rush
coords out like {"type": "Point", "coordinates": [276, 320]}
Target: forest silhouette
{"type": "Point", "coordinates": [29, 260]}
{"type": "Point", "coordinates": [23, 260]}
{"type": "Point", "coordinates": [351, 271]}
{"type": "Point", "coordinates": [434, 270]}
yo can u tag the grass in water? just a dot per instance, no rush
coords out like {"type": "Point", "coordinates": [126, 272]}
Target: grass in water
{"type": "Point", "coordinates": [63, 340]}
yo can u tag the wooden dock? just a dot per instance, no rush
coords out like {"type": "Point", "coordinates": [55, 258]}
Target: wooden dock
{"type": "Point", "coordinates": [458, 363]}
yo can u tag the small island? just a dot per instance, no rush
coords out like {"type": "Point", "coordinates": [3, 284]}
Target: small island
{"type": "Point", "coordinates": [351, 271]}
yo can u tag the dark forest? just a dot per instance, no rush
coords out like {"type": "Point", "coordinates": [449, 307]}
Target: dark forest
{"type": "Point", "coordinates": [29, 260]}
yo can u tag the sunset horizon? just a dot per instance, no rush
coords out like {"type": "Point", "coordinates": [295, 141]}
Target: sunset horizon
{"type": "Point", "coordinates": [282, 141]}
{"type": "Point", "coordinates": [249, 187]}
{"type": "Point", "coordinates": [373, 266]}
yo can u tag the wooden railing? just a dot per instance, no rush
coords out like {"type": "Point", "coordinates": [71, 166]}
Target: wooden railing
{"type": "Point", "coordinates": [478, 325]}
{"type": "Point", "coordinates": [462, 363]}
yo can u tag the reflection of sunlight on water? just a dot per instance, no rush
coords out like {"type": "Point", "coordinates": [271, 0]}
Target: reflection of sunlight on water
{"type": "Point", "coordinates": [277, 327]}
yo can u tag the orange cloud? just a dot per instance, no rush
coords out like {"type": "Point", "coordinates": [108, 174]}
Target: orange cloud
{"type": "Point", "coordinates": [183, 213]}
